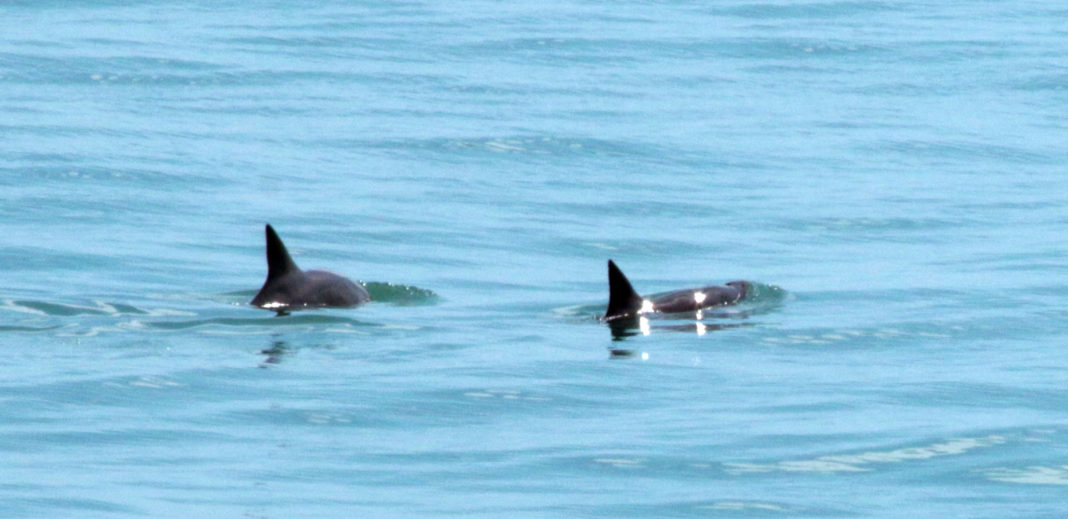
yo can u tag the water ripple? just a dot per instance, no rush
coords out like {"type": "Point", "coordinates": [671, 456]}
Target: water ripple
{"type": "Point", "coordinates": [866, 461]}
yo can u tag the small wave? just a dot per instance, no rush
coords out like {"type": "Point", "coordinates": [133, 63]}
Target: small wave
{"type": "Point", "coordinates": [536, 148]}
{"type": "Point", "coordinates": [400, 295]}
{"type": "Point", "coordinates": [806, 10]}
{"type": "Point", "coordinates": [1036, 475]}
{"type": "Point", "coordinates": [28, 328]}
{"type": "Point", "coordinates": [855, 336]}
{"type": "Point", "coordinates": [102, 317]}
{"type": "Point", "coordinates": [263, 320]}
{"type": "Point", "coordinates": [863, 462]}
{"type": "Point", "coordinates": [743, 506]}
{"type": "Point", "coordinates": [68, 310]}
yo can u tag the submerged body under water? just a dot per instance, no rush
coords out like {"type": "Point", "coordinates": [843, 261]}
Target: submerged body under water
{"type": "Point", "coordinates": [896, 168]}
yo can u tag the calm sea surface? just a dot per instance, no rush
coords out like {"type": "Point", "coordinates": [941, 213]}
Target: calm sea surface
{"type": "Point", "coordinates": [892, 174]}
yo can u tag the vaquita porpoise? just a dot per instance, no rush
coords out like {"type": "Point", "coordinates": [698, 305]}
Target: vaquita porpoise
{"type": "Point", "coordinates": [289, 288]}
{"type": "Point", "coordinates": [625, 303]}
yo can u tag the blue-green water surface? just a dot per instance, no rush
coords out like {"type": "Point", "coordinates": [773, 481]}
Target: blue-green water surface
{"type": "Point", "coordinates": [892, 174]}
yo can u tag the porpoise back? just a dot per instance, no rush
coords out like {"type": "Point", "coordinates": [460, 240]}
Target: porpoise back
{"type": "Point", "coordinates": [289, 288]}
{"type": "Point", "coordinates": [624, 301]}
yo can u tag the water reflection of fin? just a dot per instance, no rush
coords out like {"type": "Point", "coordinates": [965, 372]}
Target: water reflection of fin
{"type": "Point", "coordinates": [632, 326]}
{"type": "Point", "coordinates": [275, 353]}
{"type": "Point", "coordinates": [625, 326]}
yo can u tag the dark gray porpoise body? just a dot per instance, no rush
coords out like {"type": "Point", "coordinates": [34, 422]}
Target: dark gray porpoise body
{"type": "Point", "coordinates": [624, 301]}
{"type": "Point", "coordinates": [290, 288]}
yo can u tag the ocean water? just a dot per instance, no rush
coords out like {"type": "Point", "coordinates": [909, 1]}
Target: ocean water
{"type": "Point", "coordinates": [891, 173]}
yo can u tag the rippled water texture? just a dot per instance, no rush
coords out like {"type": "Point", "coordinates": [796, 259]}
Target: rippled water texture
{"type": "Point", "coordinates": [890, 175]}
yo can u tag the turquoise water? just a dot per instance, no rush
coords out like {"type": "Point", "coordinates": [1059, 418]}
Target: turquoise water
{"type": "Point", "coordinates": [892, 173]}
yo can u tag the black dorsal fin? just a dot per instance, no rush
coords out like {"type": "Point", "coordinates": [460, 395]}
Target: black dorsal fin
{"type": "Point", "coordinates": [622, 299]}
{"type": "Point", "coordinates": [278, 261]}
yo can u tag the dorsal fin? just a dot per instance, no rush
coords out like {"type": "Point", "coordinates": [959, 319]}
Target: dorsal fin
{"type": "Point", "coordinates": [622, 299]}
{"type": "Point", "coordinates": [278, 261]}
